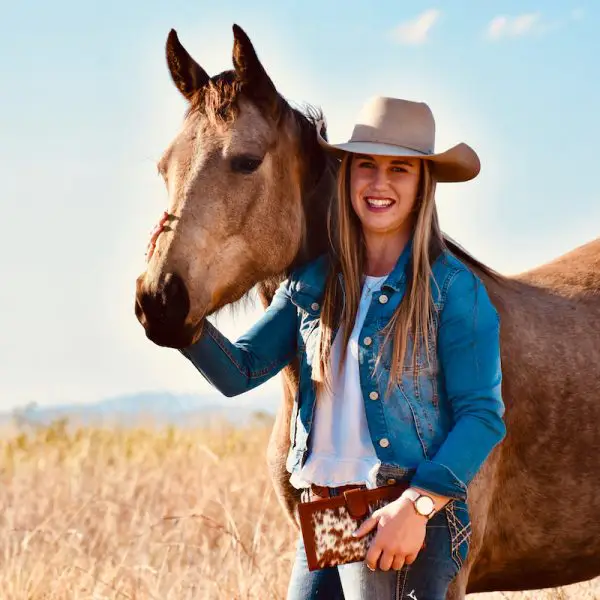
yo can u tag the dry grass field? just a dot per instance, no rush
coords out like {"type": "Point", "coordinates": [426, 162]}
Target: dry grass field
{"type": "Point", "coordinates": [138, 514]}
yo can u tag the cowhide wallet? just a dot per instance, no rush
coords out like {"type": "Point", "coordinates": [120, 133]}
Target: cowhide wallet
{"type": "Point", "coordinates": [327, 525]}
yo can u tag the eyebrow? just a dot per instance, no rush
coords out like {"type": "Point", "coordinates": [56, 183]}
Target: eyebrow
{"type": "Point", "coordinates": [398, 161]}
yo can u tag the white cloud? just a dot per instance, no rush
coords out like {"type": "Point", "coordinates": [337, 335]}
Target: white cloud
{"type": "Point", "coordinates": [415, 32]}
{"type": "Point", "coordinates": [518, 26]}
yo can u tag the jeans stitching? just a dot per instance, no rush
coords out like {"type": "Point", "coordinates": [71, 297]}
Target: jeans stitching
{"type": "Point", "coordinates": [461, 533]}
{"type": "Point", "coordinates": [400, 592]}
{"type": "Point", "coordinates": [452, 528]}
{"type": "Point", "coordinates": [458, 534]}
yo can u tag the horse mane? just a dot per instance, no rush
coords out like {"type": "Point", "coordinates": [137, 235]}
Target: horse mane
{"type": "Point", "coordinates": [472, 262]}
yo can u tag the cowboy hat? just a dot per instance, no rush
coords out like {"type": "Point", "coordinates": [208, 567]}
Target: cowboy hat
{"type": "Point", "coordinates": [395, 127]}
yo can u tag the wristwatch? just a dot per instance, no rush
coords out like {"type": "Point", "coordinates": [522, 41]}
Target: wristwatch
{"type": "Point", "coordinates": [424, 505]}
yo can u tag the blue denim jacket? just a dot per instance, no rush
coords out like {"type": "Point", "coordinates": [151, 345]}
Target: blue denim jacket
{"type": "Point", "coordinates": [438, 426]}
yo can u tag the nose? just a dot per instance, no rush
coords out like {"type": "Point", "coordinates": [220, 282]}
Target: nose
{"type": "Point", "coordinates": [380, 177]}
{"type": "Point", "coordinates": [163, 309]}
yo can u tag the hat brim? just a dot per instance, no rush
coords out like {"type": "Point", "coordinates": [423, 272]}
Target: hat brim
{"type": "Point", "coordinates": [459, 163]}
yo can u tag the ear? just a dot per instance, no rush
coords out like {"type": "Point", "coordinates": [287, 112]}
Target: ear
{"type": "Point", "coordinates": [250, 71]}
{"type": "Point", "coordinates": [186, 73]}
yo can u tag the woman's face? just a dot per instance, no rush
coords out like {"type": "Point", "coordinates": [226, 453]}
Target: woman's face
{"type": "Point", "coordinates": [383, 192]}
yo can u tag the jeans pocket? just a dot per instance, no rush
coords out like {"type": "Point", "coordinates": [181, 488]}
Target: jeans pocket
{"type": "Point", "coordinates": [459, 526]}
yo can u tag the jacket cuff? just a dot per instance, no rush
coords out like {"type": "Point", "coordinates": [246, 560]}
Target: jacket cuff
{"type": "Point", "coordinates": [439, 479]}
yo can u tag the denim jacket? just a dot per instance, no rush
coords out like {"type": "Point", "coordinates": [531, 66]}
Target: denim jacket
{"type": "Point", "coordinates": [440, 423]}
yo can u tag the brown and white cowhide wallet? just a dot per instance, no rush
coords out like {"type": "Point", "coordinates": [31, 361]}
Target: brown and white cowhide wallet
{"type": "Point", "coordinates": [327, 525]}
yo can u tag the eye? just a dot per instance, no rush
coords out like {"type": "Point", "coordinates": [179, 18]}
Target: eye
{"type": "Point", "coordinates": [365, 164]}
{"type": "Point", "coordinates": [245, 164]}
{"type": "Point", "coordinates": [400, 169]}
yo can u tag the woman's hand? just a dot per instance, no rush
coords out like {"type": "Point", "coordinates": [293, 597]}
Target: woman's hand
{"type": "Point", "coordinates": [154, 233]}
{"type": "Point", "coordinates": [400, 535]}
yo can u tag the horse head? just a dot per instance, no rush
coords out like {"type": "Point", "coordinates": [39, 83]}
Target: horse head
{"type": "Point", "coordinates": [239, 174]}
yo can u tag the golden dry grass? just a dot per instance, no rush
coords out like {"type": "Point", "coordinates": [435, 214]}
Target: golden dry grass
{"type": "Point", "coordinates": [147, 514]}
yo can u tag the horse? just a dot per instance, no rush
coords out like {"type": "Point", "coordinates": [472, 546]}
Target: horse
{"type": "Point", "coordinates": [249, 188]}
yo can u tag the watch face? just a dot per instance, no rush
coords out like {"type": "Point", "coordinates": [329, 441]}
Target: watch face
{"type": "Point", "coordinates": [425, 505]}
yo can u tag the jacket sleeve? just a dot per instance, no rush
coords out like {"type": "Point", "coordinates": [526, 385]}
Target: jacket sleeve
{"type": "Point", "coordinates": [266, 348]}
{"type": "Point", "coordinates": [469, 357]}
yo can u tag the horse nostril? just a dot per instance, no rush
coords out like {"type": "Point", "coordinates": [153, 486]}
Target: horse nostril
{"type": "Point", "coordinates": [176, 303]}
{"type": "Point", "coordinates": [168, 306]}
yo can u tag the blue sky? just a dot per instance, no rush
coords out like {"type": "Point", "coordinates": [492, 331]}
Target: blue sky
{"type": "Point", "coordinates": [87, 107]}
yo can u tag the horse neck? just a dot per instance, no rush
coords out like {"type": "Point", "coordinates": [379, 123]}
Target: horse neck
{"type": "Point", "coordinates": [317, 196]}
{"type": "Point", "coordinates": [318, 188]}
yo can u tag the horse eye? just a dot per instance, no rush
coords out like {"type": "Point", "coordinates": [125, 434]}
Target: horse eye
{"type": "Point", "coordinates": [245, 164]}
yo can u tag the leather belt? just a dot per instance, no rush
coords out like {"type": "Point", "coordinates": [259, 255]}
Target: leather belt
{"type": "Point", "coordinates": [321, 491]}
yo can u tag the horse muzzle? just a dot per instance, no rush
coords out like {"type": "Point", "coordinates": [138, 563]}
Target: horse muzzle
{"type": "Point", "coordinates": [162, 307]}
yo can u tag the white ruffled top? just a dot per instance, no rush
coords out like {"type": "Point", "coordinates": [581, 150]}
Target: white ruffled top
{"type": "Point", "coordinates": [341, 451]}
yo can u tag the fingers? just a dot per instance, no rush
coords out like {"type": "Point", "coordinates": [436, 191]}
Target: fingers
{"type": "Point", "coordinates": [385, 561]}
{"type": "Point", "coordinates": [160, 225]}
{"type": "Point", "coordinates": [367, 526]}
{"type": "Point", "coordinates": [372, 557]}
{"type": "Point", "coordinates": [154, 233]}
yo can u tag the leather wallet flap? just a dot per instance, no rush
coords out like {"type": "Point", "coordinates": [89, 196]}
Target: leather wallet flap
{"type": "Point", "coordinates": [357, 503]}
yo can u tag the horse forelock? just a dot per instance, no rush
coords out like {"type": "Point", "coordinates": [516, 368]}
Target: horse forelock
{"type": "Point", "coordinates": [219, 100]}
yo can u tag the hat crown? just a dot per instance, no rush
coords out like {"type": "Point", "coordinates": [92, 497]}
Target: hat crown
{"type": "Point", "coordinates": [403, 128]}
{"type": "Point", "coordinates": [397, 122]}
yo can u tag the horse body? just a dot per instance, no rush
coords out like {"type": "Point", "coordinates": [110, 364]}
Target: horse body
{"type": "Point", "coordinates": [542, 527]}
{"type": "Point", "coordinates": [534, 503]}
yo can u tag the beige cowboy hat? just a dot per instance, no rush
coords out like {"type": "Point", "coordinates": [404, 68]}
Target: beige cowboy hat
{"type": "Point", "coordinates": [395, 127]}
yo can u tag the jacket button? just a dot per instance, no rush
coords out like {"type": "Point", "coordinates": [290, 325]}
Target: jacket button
{"type": "Point", "coordinates": [315, 306]}
{"type": "Point", "coordinates": [391, 481]}
{"type": "Point", "coordinates": [383, 298]}
{"type": "Point", "coordinates": [373, 395]}
{"type": "Point", "coordinates": [367, 341]}
{"type": "Point", "coordinates": [384, 442]}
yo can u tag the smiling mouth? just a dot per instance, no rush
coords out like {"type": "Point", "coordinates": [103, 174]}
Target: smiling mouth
{"type": "Point", "coordinates": [377, 202]}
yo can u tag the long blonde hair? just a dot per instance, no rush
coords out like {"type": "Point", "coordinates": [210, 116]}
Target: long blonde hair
{"type": "Point", "coordinates": [414, 317]}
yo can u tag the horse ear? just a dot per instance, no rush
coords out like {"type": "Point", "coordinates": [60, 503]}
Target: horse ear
{"type": "Point", "coordinates": [250, 71]}
{"type": "Point", "coordinates": [186, 73]}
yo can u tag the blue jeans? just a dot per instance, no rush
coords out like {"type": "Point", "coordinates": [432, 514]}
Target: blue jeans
{"type": "Point", "coordinates": [447, 541]}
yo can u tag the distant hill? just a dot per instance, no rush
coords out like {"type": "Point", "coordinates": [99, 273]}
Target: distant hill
{"type": "Point", "coordinates": [161, 408]}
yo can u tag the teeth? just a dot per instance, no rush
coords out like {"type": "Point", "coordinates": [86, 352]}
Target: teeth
{"type": "Point", "coordinates": [379, 203]}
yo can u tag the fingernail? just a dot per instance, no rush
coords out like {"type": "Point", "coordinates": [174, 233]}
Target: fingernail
{"type": "Point", "coordinates": [355, 533]}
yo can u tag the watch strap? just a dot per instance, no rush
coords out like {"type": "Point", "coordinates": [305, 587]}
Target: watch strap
{"type": "Point", "coordinates": [414, 495]}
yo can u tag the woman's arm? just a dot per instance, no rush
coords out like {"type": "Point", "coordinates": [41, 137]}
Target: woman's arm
{"type": "Point", "coordinates": [237, 367]}
{"type": "Point", "coordinates": [469, 357]}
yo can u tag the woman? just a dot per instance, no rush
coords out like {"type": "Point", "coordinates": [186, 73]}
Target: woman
{"type": "Point", "coordinates": [400, 377]}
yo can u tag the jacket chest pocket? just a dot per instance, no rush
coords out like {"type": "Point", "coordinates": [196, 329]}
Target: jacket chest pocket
{"type": "Point", "coordinates": [423, 362]}
{"type": "Point", "coordinates": [418, 387]}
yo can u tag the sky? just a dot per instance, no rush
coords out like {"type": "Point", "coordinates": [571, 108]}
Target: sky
{"type": "Point", "coordinates": [87, 107]}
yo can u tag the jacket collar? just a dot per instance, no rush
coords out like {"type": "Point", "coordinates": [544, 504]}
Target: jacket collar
{"type": "Point", "coordinates": [397, 277]}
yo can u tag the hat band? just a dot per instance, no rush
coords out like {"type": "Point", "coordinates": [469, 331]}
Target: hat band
{"type": "Point", "coordinates": [429, 152]}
